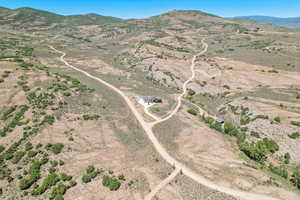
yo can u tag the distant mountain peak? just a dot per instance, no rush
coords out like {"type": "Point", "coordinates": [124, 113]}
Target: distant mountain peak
{"type": "Point", "coordinates": [290, 22]}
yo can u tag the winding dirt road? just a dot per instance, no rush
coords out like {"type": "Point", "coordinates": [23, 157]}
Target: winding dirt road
{"type": "Point", "coordinates": [159, 148]}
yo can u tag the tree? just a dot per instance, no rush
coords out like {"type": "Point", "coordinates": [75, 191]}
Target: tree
{"type": "Point", "coordinates": [296, 179]}
{"type": "Point", "coordinates": [287, 158]}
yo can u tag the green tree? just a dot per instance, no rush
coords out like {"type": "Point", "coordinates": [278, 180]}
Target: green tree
{"type": "Point", "coordinates": [295, 179]}
{"type": "Point", "coordinates": [287, 158]}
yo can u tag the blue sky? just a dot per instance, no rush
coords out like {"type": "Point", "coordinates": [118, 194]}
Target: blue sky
{"type": "Point", "coordinates": [146, 8]}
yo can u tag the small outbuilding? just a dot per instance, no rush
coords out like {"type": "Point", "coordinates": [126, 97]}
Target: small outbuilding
{"type": "Point", "coordinates": [152, 99]}
{"type": "Point", "coordinates": [219, 120]}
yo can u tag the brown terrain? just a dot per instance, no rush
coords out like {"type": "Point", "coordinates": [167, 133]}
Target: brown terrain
{"type": "Point", "coordinates": [78, 138]}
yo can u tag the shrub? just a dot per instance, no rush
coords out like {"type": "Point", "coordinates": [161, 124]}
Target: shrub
{"type": "Point", "coordinates": [67, 94]}
{"type": "Point", "coordinates": [86, 178]}
{"type": "Point", "coordinates": [48, 182]}
{"type": "Point", "coordinates": [121, 177]}
{"type": "Point", "coordinates": [230, 129]}
{"type": "Point", "coordinates": [271, 145]}
{"type": "Point", "coordinates": [34, 174]}
{"type": "Point", "coordinates": [18, 156]}
{"type": "Point", "coordinates": [58, 192]}
{"type": "Point", "coordinates": [28, 146]}
{"type": "Point", "coordinates": [273, 71]}
{"type": "Point", "coordinates": [65, 177]}
{"type": "Point", "coordinates": [294, 135]}
{"type": "Point", "coordinates": [72, 183]}
{"type": "Point", "coordinates": [208, 120]}
{"type": "Point", "coordinates": [255, 134]}
{"type": "Point", "coordinates": [259, 150]}
{"type": "Point", "coordinates": [191, 92]}
{"type": "Point", "coordinates": [260, 117]}
{"type": "Point", "coordinates": [287, 158]}
{"type": "Point", "coordinates": [7, 113]}
{"type": "Point", "coordinates": [226, 87]}
{"type": "Point", "coordinates": [9, 153]}
{"type": "Point", "coordinates": [295, 123]}
{"type": "Point", "coordinates": [277, 119]}
{"type": "Point", "coordinates": [2, 148]}
{"type": "Point", "coordinates": [91, 117]}
{"type": "Point", "coordinates": [280, 171]}
{"type": "Point", "coordinates": [295, 179]}
{"type": "Point", "coordinates": [49, 119]}
{"type": "Point", "coordinates": [55, 148]}
{"type": "Point", "coordinates": [192, 112]}
{"type": "Point", "coordinates": [245, 120]}
{"type": "Point", "coordinates": [91, 173]}
{"type": "Point", "coordinates": [32, 153]}
{"type": "Point", "coordinates": [53, 163]}
{"type": "Point", "coordinates": [254, 151]}
{"type": "Point", "coordinates": [90, 169]}
{"type": "Point", "coordinates": [217, 126]}
{"type": "Point", "coordinates": [38, 146]}
{"type": "Point", "coordinates": [112, 183]}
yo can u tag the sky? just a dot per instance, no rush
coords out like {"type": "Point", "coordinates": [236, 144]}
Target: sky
{"type": "Point", "coordinates": [145, 8]}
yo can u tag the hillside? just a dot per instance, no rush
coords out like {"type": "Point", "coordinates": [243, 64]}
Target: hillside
{"type": "Point", "coordinates": [184, 105]}
{"type": "Point", "coordinates": [31, 18]}
{"type": "Point", "coordinates": [293, 23]}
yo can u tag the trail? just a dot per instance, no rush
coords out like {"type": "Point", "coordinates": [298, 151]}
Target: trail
{"type": "Point", "coordinates": [162, 184]}
{"type": "Point", "coordinates": [184, 87]}
{"type": "Point", "coordinates": [159, 148]}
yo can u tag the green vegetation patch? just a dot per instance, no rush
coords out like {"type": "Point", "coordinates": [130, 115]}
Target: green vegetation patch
{"type": "Point", "coordinates": [170, 47]}
{"type": "Point", "coordinates": [90, 117]}
{"type": "Point", "coordinates": [192, 111]}
{"type": "Point", "coordinates": [90, 174]}
{"type": "Point", "coordinates": [55, 148]}
{"type": "Point", "coordinates": [295, 123]}
{"type": "Point", "coordinates": [259, 150]}
{"type": "Point", "coordinates": [111, 182]}
{"type": "Point", "coordinates": [294, 135]}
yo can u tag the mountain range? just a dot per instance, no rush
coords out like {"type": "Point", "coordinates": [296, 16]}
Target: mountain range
{"type": "Point", "coordinates": [292, 22]}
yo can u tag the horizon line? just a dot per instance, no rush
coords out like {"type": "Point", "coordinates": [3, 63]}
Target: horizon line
{"type": "Point", "coordinates": [96, 13]}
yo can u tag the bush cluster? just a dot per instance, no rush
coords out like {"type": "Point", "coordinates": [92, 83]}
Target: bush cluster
{"type": "Point", "coordinates": [48, 182]}
{"type": "Point", "coordinates": [55, 148]}
{"type": "Point", "coordinates": [34, 174]}
{"type": "Point", "coordinates": [90, 117]}
{"type": "Point", "coordinates": [90, 174]}
{"type": "Point", "coordinates": [280, 171]}
{"type": "Point", "coordinates": [259, 150]}
{"type": "Point", "coordinates": [111, 182]}
{"type": "Point", "coordinates": [16, 121]}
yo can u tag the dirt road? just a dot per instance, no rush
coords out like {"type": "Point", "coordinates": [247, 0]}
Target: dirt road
{"type": "Point", "coordinates": [159, 148]}
{"type": "Point", "coordinates": [162, 184]}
